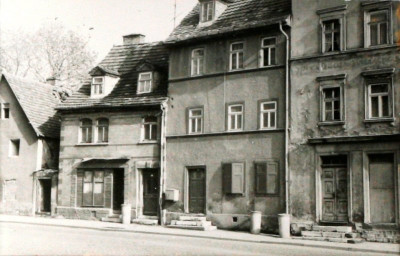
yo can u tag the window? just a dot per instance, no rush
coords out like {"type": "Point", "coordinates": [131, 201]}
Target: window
{"type": "Point", "coordinates": [268, 115]}
{"type": "Point", "coordinates": [145, 82]}
{"type": "Point", "coordinates": [235, 117]}
{"type": "Point", "coordinates": [86, 131]}
{"type": "Point", "coordinates": [5, 111]}
{"type": "Point", "coordinates": [331, 35]}
{"type": "Point", "coordinates": [233, 178]}
{"type": "Point", "coordinates": [268, 51]}
{"type": "Point", "coordinates": [195, 120]}
{"type": "Point", "coordinates": [379, 101]}
{"type": "Point", "coordinates": [207, 11]}
{"type": "Point", "coordinates": [14, 147]}
{"type": "Point", "coordinates": [149, 128]}
{"type": "Point", "coordinates": [236, 56]}
{"type": "Point", "coordinates": [102, 130]}
{"type": "Point", "coordinates": [97, 86]}
{"type": "Point", "coordinates": [267, 181]}
{"type": "Point", "coordinates": [93, 188]}
{"type": "Point", "coordinates": [331, 104]}
{"type": "Point", "coordinates": [197, 61]}
{"type": "Point", "coordinates": [377, 27]}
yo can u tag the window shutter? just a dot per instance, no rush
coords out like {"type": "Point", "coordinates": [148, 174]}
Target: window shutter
{"type": "Point", "coordinates": [237, 178]}
{"type": "Point", "coordinates": [272, 178]}
{"type": "Point", "coordinates": [227, 177]}
{"type": "Point", "coordinates": [79, 189]}
{"type": "Point", "coordinates": [108, 188]}
{"type": "Point", "coordinates": [261, 178]}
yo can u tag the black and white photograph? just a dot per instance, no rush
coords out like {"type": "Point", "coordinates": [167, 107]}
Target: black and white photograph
{"type": "Point", "coordinates": [200, 127]}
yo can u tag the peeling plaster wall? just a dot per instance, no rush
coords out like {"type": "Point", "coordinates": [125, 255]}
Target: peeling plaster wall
{"type": "Point", "coordinates": [307, 64]}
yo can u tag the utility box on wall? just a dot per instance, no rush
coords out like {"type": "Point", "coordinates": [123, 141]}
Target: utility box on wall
{"type": "Point", "coordinates": [172, 195]}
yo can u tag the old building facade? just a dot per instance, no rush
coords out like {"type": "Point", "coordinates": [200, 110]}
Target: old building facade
{"type": "Point", "coordinates": [226, 114]}
{"type": "Point", "coordinates": [29, 139]}
{"type": "Point", "coordinates": [344, 131]}
{"type": "Point", "coordinates": [111, 135]}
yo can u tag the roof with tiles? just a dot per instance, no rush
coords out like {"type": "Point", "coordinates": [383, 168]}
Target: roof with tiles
{"type": "Point", "coordinates": [239, 15]}
{"type": "Point", "coordinates": [38, 103]}
{"type": "Point", "coordinates": [125, 60]}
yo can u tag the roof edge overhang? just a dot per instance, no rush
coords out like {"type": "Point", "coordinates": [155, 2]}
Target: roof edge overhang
{"type": "Point", "coordinates": [135, 105]}
{"type": "Point", "coordinates": [284, 20]}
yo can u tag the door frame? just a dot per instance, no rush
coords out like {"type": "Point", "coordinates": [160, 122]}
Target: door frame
{"type": "Point", "coordinates": [186, 187]}
{"type": "Point", "coordinates": [140, 200]}
{"type": "Point", "coordinates": [396, 173]}
{"type": "Point", "coordinates": [318, 186]}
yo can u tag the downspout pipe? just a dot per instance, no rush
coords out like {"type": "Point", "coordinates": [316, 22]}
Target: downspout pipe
{"type": "Point", "coordinates": [287, 173]}
{"type": "Point", "coordinates": [163, 153]}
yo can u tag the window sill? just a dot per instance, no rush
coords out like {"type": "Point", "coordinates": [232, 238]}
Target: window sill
{"type": "Point", "coordinates": [268, 129]}
{"type": "Point", "coordinates": [233, 131]}
{"type": "Point", "coordinates": [91, 144]}
{"type": "Point", "coordinates": [331, 123]}
{"type": "Point", "coordinates": [380, 120]}
{"type": "Point", "coordinates": [144, 142]}
{"type": "Point", "coordinates": [236, 70]}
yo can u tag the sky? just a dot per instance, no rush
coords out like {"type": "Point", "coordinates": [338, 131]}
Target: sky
{"type": "Point", "coordinates": [104, 21]}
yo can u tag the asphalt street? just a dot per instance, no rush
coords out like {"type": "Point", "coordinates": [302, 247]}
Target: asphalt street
{"type": "Point", "coordinates": [20, 239]}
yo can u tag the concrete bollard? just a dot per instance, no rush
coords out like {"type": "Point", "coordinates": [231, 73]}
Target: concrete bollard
{"type": "Point", "coordinates": [126, 214]}
{"type": "Point", "coordinates": [284, 225]}
{"type": "Point", "coordinates": [255, 227]}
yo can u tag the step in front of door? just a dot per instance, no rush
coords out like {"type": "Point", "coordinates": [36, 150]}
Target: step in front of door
{"type": "Point", "coordinates": [342, 229]}
{"type": "Point", "coordinates": [192, 218]}
{"type": "Point", "coordinates": [145, 221]}
{"type": "Point", "coordinates": [331, 239]}
{"type": "Point", "coordinates": [191, 223]}
{"type": "Point", "coordinates": [201, 228]}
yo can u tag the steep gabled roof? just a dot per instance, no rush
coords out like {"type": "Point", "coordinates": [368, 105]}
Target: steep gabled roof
{"type": "Point", "coordinates": [239, 15]}
{"type": "Point", "coordinates": [125, 60]}
{"type": "Point", "coordinates": [38, 102]}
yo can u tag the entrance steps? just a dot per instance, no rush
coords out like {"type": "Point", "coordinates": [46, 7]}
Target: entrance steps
{"type": "Point", "coordinates": [338, 234]}
{"type": "Point", "coordinates": [116, 218]}
{"type": "Point", "coordinates": [146, 220]}
{"type": "Point", "coordinates": [192, 223]}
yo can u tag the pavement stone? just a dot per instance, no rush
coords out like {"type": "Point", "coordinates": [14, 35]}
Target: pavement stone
{"type": "Point", "coordinates": [384, 248]}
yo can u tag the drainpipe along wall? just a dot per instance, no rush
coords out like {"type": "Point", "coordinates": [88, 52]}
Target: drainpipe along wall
{"type": "Point", "coordinates": [286, 119]}
{"type": "Point", "coordinates": [163, 153]}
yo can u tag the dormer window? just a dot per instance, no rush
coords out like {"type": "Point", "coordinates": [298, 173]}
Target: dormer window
{"type": "Point", "coordinates": [207, 11]}
{"type": "Point", "coordinates": [97, 86]}
{"type": "Point", "coordinates": [145, 82]}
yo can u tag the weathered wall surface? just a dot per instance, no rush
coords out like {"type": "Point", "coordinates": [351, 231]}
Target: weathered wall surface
{"type": "Point", "coordinates": [22, 167]}
{"type": "Point", "coordinates": [309, 63]}
{"type": "Point", "coordinates": [213, 92]}
{"type": "Point", "coordinates": [124, 142]}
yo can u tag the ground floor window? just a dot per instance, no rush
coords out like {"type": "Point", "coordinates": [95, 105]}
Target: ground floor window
{"type": "Point", "coordinates": [93, 188]}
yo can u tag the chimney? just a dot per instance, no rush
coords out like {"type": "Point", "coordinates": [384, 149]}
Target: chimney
{"type": "Point", "coordinates": [133, 39]}
{"type": "Point", "coordinates": [51, 80]}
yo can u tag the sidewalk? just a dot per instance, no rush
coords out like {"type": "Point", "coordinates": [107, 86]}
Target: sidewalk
{"type": "Point", "coordinates": [217, 234]}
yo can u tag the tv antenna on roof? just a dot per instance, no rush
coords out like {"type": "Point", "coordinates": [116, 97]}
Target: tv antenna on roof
{"type": "Point", "coordinates": [174, 13]}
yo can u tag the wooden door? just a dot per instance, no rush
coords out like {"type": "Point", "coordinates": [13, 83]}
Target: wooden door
{"type": "Point", "coordinates": [45, 195]}
{"type": "Point", "coordinates": [334, 194]}
{"type": "Point", "coordinates": [150, 191]}
{"type": "Point", "coordinates": [382, 188]}
{"type": "Point", "coordinates": [118, 189]}
{"type": "Point", "coordinates": [197, 190]}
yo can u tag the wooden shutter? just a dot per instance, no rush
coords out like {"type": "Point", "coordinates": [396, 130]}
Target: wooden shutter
{"type": "Point", "coordinates": [272, 178]}
{"type": "Point", "coordinates": [79, 188]}
{"type": "Point", "coordinates": [261, 178]}
{"type": "Point", "coordinates": [237, 178]}
{"type": "Point", "coordinates": [227, 177]}
{"type": "Point", "coordinates": [108, 188]}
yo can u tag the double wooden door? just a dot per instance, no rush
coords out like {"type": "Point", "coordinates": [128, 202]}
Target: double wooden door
{"type": "Point", "coordinates": [197, 190]}
{"type": "Point", "coordinates": [334, 194]}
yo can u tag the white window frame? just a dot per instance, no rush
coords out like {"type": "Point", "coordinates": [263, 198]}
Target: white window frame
{"type": "Point", "coordinates": [141, 90]}
{"type": "Point", "coordinates": [323, 105]}
{"type": "Point", "coordinates": [199, 60]}
{"type": "Point", "coordinates": [367, 27]}
{"type": "Point", "coordinates": [236, 114]}
{"type": "Point", "coordinates": [268, 112]}
{"type": "Point", "coordinates": [151, 124]}
{"type": "Point", "coordinates": [5, 106]}
{"type": "Point", "coordinates": [86, 127]}
{"type": "Point", "coordinates": [103, 128]}
{"type": "Point", "coordinates": [379, 95]}
{"type": "Point", "coordinates": [237, 53]}
{"type": "Point", "coordinates": [323, 21]}
{"type": "Point", "coordinates": [192, 117]}
{"type": "Point", "coordinates": [209, 8]}
{"type": "Point", "coordinates": [97, 85]}
{"type": "Point", "coordinates": [269, 47]}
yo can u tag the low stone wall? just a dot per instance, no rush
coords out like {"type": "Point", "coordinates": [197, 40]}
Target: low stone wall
{"type": "Point", "coordinates": [382, 236]}
{"type": "Point", "coordinates": [83, 213]}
